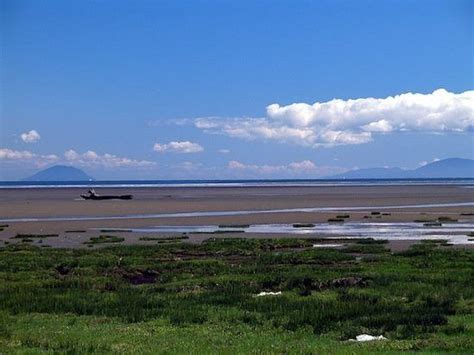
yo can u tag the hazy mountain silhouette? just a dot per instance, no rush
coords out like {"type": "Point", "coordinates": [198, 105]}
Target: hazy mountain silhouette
{"type": "Point", "coordinates": [60, 173]}
{"type": "Point", "coordinates": [446, 168]}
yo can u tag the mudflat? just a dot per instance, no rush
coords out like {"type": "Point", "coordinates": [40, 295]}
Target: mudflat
{"type": "Point", "coordinates": [149, 205]}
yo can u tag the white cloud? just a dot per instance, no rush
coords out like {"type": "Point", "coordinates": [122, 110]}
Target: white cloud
{"type": "Point", "coordinates": [92, 159]}
{"type": "Point", "coordinates": [27, 157]}
{"type": "Point", "coordinates": [295, 167]}
{"type": "Point", "coordinates": [30, 137]}
{"type": "Point", "coordinates": [305, 167]}
{"type": "Point", "coordinates": [224, 151]}
{"type": "Point", "coordinates": [188, 165]}
{"type": "Point", "coordinates": [185, 147]}
{"type": "Point", "coordinates": [353, 121]}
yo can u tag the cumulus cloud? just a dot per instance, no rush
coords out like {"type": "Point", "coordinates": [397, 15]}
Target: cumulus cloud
{"type": "Point", "coordinates": [27, 157]}
{"type": "Point", "coordinates": [30, 137]}
{"type": "Point", "coordinates": [92, 159]}
{"type": "Point", "coordinates": [353, 121]}
{"type": "Point", "coordinates": [185, 147]}
{"type": "Point", "coordinates": [224, 151]}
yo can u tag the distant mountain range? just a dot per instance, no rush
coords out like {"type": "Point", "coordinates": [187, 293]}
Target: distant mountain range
{"type": "Point", "coordinates": [446, 168]}
{"type": "Point", "coordinates": [60, 173]}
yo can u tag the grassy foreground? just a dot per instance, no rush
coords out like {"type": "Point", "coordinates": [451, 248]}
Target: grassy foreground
{"type": "Point", "coordinates": [182, 298]}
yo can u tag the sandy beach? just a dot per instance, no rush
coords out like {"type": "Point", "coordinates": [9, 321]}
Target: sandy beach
{"type": "Point", "coordinates": [263, 205]}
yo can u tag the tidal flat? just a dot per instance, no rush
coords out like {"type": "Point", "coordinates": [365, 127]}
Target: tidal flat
{"type": "Point", "coordinates": [177, 297]}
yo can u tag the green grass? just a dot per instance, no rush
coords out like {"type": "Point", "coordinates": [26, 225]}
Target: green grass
{"type": "Point", "coordinates": [184, 298]}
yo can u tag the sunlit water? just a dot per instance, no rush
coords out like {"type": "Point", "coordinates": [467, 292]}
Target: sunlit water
{"type": "Point", "coordinates": [455, 233]}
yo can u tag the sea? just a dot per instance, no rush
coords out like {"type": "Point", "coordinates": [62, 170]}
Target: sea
{"type": "Point", "coordinates": [464, 182]}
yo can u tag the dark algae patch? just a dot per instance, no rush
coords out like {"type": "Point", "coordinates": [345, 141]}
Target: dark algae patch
{"type": "Point", "coordinates": [303, 225]}
{"type": "Point", "coordinates": [30, 236]}
{"type": "Point", "coordinates": [203, 298]}
{"type": "Point", "coordinates": [103, 239]}
{"type": "Point", "coordinates": [446, 219]}
{"type": "Point", "coordinates": [163, 239]}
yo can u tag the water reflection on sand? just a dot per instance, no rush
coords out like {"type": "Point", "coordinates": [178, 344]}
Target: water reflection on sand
{"type": "Point", "coordinates": [456, 233]}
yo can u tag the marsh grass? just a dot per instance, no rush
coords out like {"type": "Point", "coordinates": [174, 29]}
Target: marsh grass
{"type": "Point", "coordinates": [200, 298]}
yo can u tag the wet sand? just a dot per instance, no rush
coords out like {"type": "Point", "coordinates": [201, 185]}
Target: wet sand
{"type": "Point", "coordinates": [64, 202]}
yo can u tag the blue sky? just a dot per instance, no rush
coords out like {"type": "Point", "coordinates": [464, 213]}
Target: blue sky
{"type": "Point", "coordinates": [118, 78]}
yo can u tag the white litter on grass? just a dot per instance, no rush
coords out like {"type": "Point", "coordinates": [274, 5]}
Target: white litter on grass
{"type": "Point", "coordinates": [263, 293]}
{"type": "Point", "coordinates": [367, 337]}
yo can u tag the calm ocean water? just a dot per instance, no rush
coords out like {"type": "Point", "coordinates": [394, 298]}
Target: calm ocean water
{"type": "Point", "coordinates": [234, 183]}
